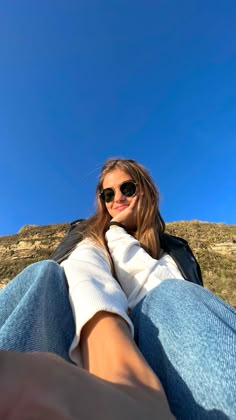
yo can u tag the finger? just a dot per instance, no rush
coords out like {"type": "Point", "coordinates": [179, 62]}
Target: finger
{"type": "Point", "coordinates": [133, 202]}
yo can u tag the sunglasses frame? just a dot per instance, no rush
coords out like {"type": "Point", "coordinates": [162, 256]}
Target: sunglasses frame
{"type": "Point", "coordinates": [101, 194]}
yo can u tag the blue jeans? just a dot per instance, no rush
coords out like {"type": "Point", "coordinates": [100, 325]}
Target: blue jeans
{"type": "Point", "coordinates": [35, 313]}
{"type": "Point", "coordinates": [188, 336]}
{"type": "Point", "coordinates": [186, 333]}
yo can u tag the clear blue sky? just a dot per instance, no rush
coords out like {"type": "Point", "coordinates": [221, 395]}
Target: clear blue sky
{"type": "Point", "coordinates": [85, 80]}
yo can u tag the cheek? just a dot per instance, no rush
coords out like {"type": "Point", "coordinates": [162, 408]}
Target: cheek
{"type": "Point", "coordinates": [108, 207]}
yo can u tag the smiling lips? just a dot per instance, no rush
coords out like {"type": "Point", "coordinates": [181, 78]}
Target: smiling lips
{"type": "Point", "coordinates": [121, 207]}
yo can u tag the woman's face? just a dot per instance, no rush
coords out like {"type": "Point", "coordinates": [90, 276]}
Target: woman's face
{"type": "Point", "coordinates": [113, 180]}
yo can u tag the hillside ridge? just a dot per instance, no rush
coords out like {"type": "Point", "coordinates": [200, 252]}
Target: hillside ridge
{"type": "Point", "coordinates": [214, 245]}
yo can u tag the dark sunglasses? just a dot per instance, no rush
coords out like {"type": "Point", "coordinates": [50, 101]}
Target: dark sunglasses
{"type": "Point", "coordinates": [127, 188]}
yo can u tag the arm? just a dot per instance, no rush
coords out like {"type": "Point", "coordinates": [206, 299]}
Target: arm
{"type": "Point", "coordinates": [92, 289]}
{"type": "Point", "coordinates": [104, 331]}
{"type": "Point", "coordinates": [136, 270]}
{"type": "Point", "coordinates": [109, 352]}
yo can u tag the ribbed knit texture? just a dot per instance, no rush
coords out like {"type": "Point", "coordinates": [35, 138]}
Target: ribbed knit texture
{"type": "Point", "coordinates": [137, 271]}
{"type": "Point", "coordinates": [92, 288]}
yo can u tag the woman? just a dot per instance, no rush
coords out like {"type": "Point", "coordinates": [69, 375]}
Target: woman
{"type": "Point", "coordinates": [186, 333]}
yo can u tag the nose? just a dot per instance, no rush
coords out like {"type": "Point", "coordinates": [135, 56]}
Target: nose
{"type": "Point", "coordinates": [118, 195]}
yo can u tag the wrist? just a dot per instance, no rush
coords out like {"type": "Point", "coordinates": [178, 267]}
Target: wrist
{"type": "Point", "coordinates": [114, 223]}
{"type": "Point", "coordinates": [104, 320]}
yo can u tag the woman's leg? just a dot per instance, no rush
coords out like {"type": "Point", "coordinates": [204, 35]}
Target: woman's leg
{"type": "Point", "coordinates": [188, 335]}
{"type": "Point", "coordinates": [35, 313]}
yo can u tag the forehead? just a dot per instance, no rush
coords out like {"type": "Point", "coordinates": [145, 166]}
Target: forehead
{"type": "Point", "coordinates": [115, 178]}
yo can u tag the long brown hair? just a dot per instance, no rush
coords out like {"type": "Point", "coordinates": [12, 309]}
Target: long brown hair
{"type": "Point", "coordinates": [149, 221]}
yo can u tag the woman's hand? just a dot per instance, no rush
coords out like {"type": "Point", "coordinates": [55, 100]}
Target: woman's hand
{"type": "Point", "coordinates": [38, 385]}
{"type": "Point", "coordinates": [128, 216]}
{"type": "Point", "coordinates": [43, 386]}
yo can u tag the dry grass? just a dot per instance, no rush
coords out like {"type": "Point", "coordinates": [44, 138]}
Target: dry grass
{"type": "Point", "coordinates": [218, 263]}
{"type": "Point", "coordinates": [213, 244]}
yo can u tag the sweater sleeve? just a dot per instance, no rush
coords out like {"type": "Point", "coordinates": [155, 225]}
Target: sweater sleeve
{"type": "Point", "coordinates": [92, 288]}
{"type": "Point", "coordinates": [137, 271]}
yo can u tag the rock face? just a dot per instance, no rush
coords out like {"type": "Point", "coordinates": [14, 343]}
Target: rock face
{"type": "Point", "coordinates": [213, 244]}
{"type": "Point", "coordinates": [30, 244]}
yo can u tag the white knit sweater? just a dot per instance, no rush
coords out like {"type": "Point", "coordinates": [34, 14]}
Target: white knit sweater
{"type": "Point", "coordinates": [137, 271]}
{"type": "Point", "coordinates": [92, 288]}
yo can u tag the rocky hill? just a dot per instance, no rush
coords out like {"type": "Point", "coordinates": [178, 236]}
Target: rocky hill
{"type": "Point", "coordinates": [213, 244]}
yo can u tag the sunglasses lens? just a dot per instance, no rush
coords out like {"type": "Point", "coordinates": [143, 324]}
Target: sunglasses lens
{"type": "Point", "coordinates": [128, 188]}
{"type": "Point", "coordinates": [107, 195]}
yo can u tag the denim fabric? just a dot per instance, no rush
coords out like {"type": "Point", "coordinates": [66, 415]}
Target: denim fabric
{"type": "Point", "coordinates": [188, 336]}
{"type": "Point", "coordinates": [186, 333]}
{"type": "Point", "coordinates": [35, 313]}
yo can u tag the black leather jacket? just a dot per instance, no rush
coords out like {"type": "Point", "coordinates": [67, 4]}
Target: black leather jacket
{"type": "Point", "coordinates": [176, 247]}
